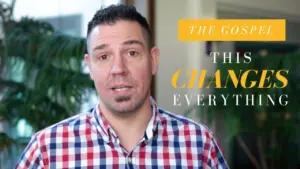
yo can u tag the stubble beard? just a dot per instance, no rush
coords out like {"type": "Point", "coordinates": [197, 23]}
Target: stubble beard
{"type": "Point", "coordinates": [133, 107]}
{"type": "Point", "coordinates": [129, 111]}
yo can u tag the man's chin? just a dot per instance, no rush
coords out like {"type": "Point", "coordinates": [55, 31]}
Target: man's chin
{"type": "Point", "coordinates": [123, 109]}
{"type": "Point", "coordinates": [125, 105]}
{"type": "Point", "coordinates": [122, 99]}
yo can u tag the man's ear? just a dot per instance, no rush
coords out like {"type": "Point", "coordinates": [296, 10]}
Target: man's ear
{"type": "Point", "coordinates": [87, 60]}
{"type": "Point", "coordinates": [154, 59]}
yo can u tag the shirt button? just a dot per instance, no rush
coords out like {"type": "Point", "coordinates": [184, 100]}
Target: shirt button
{"type": "Point", "coordinates": [129, 160]}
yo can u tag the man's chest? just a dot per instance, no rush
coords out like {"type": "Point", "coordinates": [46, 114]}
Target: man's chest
{"type": "Point", "coordinates": [94, 152]}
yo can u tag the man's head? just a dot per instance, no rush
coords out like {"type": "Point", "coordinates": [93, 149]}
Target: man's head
{"type": "Point", "coordinates": [114, 13]}
{"type": "Point", "coordinates": [121, 58]}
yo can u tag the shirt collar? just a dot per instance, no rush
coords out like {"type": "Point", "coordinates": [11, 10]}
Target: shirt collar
{"type": "Point", "coordinates": [107, 132]}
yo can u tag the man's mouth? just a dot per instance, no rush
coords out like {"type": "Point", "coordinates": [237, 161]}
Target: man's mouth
{"type": "Point", "coordinates": [121, 88]}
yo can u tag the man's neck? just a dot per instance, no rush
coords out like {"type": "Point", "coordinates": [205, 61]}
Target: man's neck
{"type": "Point", "coordinates": [131, 128]}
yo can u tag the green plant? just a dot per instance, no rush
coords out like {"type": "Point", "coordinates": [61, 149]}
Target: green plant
{"type": "Point", "coordinates": [42, 79]}
{"type": "Point", "coordinates": [5, 143]}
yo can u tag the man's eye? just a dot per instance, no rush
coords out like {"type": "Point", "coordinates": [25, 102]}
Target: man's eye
{"type": "Point", "coordinates": [103, 57]}
{"type": "Point", "coordinates": [132, 53]}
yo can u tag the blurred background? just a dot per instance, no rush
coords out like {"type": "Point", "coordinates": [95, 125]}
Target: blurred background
{"type": "Point", "coordinates": [43, 78]}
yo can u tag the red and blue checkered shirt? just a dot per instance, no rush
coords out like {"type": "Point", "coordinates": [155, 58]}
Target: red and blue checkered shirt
{"type": "Point", "coordinates": [86, 141]}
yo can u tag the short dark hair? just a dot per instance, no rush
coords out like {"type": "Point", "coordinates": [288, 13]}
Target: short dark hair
{"type": "Point", "coordinates": [114, 13]}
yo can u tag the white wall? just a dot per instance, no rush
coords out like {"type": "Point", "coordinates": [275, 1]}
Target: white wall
{"type": "Point", "coordinates": [173, 53]}
{"type": "Point", "coordinates": [142, 7]}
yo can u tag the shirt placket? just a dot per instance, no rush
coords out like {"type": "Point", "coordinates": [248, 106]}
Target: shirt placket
{"type": "Point", "coordinates": [112, 137]}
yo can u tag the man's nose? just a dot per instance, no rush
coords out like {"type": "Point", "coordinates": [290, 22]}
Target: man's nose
{"type": "Point", "coordinates": [119, 66]}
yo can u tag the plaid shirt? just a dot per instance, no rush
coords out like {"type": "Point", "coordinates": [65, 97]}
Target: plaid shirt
{"type": "Point", "coordinates": [87, 141]}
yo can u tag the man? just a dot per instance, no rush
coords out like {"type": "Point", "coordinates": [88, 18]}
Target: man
{"type": "Point", "coordinates": [126, 129]}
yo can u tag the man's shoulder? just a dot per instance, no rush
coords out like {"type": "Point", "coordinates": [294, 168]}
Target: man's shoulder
{"type": "Point", "coordinates": [68, 125]}
{"type": "Point", "coordinates": [181, 122]}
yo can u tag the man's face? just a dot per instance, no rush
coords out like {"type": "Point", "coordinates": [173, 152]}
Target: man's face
{"type": "Point", "coordinates": [121, 65]}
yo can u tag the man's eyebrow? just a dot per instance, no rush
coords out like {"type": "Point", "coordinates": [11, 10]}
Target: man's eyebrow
{"type": "Point", "coordinates": [130, 42]}
{"type": "Point", "coordinates": [99, 47]}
